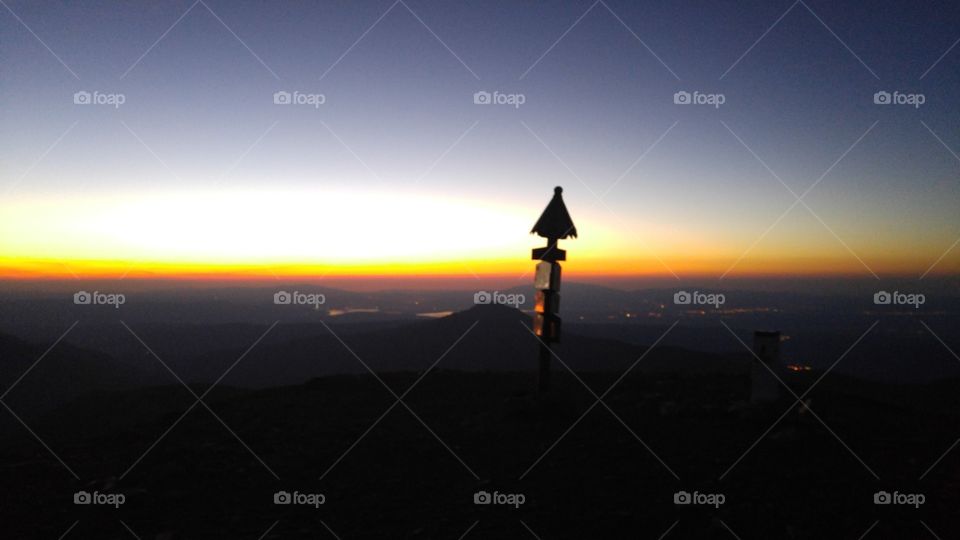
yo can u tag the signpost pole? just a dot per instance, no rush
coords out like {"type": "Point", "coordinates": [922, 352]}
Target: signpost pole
{"type": "Point", "coordinates": [543, 377]}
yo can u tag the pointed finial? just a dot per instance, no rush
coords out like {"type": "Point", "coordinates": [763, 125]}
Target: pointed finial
{"type": "Point", "coordinates": [555, 221]}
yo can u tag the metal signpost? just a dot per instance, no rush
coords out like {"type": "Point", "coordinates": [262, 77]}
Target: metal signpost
{"type": "Point", "coordinates": [554, 224]}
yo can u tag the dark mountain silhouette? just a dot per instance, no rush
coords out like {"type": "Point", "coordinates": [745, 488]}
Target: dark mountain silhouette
{"type": "Point", "coordinates": [80, 385]}
{"type": "Point", "coordinates": [36, 380]}
{"type": "Point", "coordinates": [820, 326]}
{"type": "Point", "coordinates": [315, 401]}
{"type": "Point", "coordinates": [491, 337]}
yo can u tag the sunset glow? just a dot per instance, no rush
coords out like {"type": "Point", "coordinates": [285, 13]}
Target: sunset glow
{"type": "Point", "coordinates": [185, 162]}
{"type": "Point", "coordinates": [316, 233]}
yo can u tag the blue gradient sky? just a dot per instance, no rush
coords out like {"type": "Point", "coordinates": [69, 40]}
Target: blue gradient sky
{"type": "Point", "coordinates": [398, 103]}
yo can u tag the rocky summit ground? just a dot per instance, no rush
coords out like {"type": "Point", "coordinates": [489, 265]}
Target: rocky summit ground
{"type": "Point", "coordinates": [411, 469]}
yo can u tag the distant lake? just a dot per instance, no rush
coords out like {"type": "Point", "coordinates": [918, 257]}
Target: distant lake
{"type": "Point", "coordinates": [435, 314]}
{"type": "Point", "coordinates": [335, 312]}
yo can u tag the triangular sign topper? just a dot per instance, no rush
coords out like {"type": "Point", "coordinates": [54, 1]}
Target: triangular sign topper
{"type": "Point", "coordinates": [555, 221]}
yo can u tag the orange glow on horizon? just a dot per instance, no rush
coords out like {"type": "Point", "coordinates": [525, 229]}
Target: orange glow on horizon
{"type": "Point", "coordinates": [312, 234]}
{"type": "Point", "coordinates": [27, 269]}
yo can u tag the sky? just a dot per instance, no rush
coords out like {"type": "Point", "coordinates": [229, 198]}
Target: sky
{"type": "Point", "coordinates": [385, 164]}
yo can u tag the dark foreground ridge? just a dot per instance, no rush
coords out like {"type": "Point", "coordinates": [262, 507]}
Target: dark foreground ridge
{"type": "Point", "coordinates": [411, 475]}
